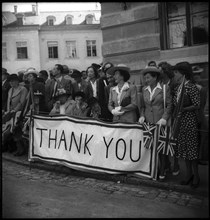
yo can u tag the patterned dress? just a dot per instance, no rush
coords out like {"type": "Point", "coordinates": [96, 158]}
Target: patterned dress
{"type": "Point", "coordinates": [187, 139]}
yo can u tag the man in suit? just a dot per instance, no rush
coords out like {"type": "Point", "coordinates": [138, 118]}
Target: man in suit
{"type": "Point", "coordinates": [103, 88]}
{"type": "Point", "coordinates": [58, 82]}
{"type": "Point", "coordinates": [5, 88]}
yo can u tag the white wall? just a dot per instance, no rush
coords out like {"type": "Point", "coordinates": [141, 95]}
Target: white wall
{"type": "Point", "coordinates": [82, 61]}
{"type": "Point", "coordinates": [12, 64]}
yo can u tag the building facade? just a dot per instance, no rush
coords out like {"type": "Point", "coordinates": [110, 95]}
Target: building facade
{"type": "Point", "coordinates": [135, 33]}
{"type": "Point", "coordinates": [43, 39]}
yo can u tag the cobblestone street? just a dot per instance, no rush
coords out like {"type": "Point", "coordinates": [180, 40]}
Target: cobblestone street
{"type": "Point", "coordinates": [106, 187]}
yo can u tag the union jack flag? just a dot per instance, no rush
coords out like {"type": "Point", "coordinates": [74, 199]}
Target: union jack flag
{"type": "Point", "coordinates": [166, 143]}
{"type": "Point", "coordinates": [148, 134]}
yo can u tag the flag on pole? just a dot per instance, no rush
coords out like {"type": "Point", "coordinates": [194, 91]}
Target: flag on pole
{"type": "Point", "coordinates": [166, 143]}
{"type": "Point", "coordinates": [148, 133]}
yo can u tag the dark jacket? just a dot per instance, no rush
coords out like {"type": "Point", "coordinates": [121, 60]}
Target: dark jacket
{"type": "Point", "coordinates": [49, 90]}
{"type": "Point", "coordinates": [5, 90]}
{"type": "Point", "coordinates": [84, 87]}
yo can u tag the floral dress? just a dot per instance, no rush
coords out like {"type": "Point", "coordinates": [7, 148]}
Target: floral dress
{"type": "Point", "coordinates": [187, 139]}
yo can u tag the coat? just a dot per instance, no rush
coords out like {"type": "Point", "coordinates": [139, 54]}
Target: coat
{"type": "Point", "coordinates": [129, 98]}
{"type": "Point", "coordinates": [101, 84]}
{"type": "Point", "coordinates": [68, 108]}
{"type": "Point", "coordinates": [5, 89]}
{"type": "Point", "coordinates": [153, 110]}
{"type": "Point", "coordinates": [16, 100]}
{"type": "Point", "coordinates": [49, 90]}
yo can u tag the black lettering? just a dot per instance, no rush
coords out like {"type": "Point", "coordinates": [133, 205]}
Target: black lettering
{"type": "Point", "coordinates": [86, 142]}
{"type": "Point", "coordinates": [107, 146]}
{"type": "Point", "coordinates": [62, 138]}
{"type": "Point", "coordinates": [73, 137]}
{"type": "Point", "coordinates": [117, 149]}
{"type": "Point", "coordinates": [52, 139]}
{"type": "Point", "coordinates": [41, 129]}
{"type": "Point", "coordinates": [131, 151]}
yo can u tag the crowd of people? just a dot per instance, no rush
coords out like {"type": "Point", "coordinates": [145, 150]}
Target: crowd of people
{"type": "Point", "coordinates": [104, 92]}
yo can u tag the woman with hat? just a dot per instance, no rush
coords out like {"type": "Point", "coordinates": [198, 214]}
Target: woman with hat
{"type": "Point", "coordinates": [123, 97]}
{"type": "Point", "coordinates": [202, 120]}
{"type": "Point", "coordinates": [63, 105]}
{"type": "Point", "coordinates": [5, 88]}
{"type": "Point", "coordinates": [187, 135]}
{"type": "Point", "coordinates": [16, 95]}
{"type": "Point", "coordinates": [15, 102]}
{"type": "Point", "coordinates": [155, 109]}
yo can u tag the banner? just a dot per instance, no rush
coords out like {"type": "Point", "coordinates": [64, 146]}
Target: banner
{"type": "Point", "coordinates": [92, 145]}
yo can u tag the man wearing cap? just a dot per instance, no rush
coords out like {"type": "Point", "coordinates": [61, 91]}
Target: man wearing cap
{"type": "Point", "coordinates": [5, 88]}
{"type": "Point", "coordinates": [123, 97]}
{"type": "Point", "coordinates": [203, 126]}
{"type": "Point", "coordinates": [57, 82]}
{"type": "Point", "coordinates": [80, 84]}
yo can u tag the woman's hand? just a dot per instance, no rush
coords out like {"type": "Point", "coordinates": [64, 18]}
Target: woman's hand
{"type": "Point", "coordinates": [116, 111]}
{"type": "Point", "coordinates": [141, 119]}
{"type": "Point", "coordinates": [162, 122]}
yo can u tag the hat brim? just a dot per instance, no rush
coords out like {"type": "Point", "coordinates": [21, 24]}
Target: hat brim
{"type": "Point", "coordinates": [112, 70]}
{"type": "Point", "coordinates": [150, 70]}
{"type": "Point", "coordinates": [198, 71]}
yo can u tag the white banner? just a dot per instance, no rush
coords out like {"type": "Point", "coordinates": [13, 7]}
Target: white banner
{"type": "Point", "coordinates": [91, 145]}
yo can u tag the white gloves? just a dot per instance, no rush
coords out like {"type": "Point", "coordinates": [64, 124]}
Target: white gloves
{"type": "Point", "coordinates": [161, 122]}
{"type": "Point", "coordinates": [141, 119]}
{"type": "Point", "coordinates": [116, 111]}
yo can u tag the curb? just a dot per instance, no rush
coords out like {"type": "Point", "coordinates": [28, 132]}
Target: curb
{"type": "Point", "coordinates": [123, 178]}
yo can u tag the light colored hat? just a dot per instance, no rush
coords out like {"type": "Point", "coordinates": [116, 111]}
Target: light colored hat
{"type": "Point", "coordinates": [151, 69]}
{"type": "Point", "coordinates": [31, 70]}
{"type": "Point", "coordinates": [197, 69]}
{"type": "Point", "coordinates": [38, 93]}
{"type": "Point", "coordinates": [113, 69]}
{"type": "Point", "coordinates": [60, 92]}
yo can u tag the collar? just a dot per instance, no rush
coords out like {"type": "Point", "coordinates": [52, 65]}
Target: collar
{"type": "Point", "coordinates": [158, 86]}
{"type": "Point", "coordinates": [125, 87]}
{"type": "Point", "coordinates": [59, 78]}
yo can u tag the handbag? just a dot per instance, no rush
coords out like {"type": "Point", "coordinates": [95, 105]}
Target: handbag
{"type": "Point", "coordinates": [127, 101]}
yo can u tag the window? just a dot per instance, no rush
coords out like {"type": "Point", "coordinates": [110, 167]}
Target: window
{"type": "Point", "coordinates": [20, 21]}
{"type": "Point", "coordinates": [4, 51]}
{"type": "Point", "coordinates": [91, 48]}
{"type": "Point", "coordinates": [89, 19]}
{"type": "Point", "coordinates": [69, 19]}
{"type": "Point", "coordinates": [52, 49]}
{"type": "Point", "coordinates": [22, 52]}
{"type": "Point", "coordinates": [71, 49]}
{"type": "Point", "coordinates": [186, 24]}
{"type": "Point", "coordinates": [50, 20]}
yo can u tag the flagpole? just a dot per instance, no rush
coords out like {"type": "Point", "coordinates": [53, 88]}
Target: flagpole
{"type": "Point", "coordinates": [178, 111]}
{"type": "Point", "coordinates": [30, 122]}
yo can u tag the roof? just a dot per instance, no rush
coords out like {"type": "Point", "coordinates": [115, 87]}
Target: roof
{"type": "Point", "coordinates": [8, 17]}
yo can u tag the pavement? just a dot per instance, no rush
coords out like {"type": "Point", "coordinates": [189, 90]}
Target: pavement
{"type": "Point", "coordinates": [170, 183]}
{"type": "Point", "coordinates": [36, 192]}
